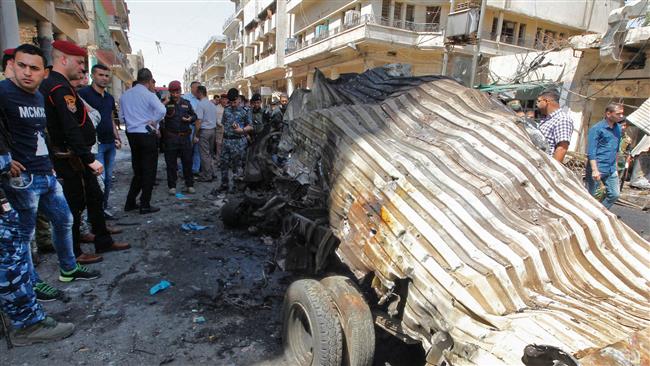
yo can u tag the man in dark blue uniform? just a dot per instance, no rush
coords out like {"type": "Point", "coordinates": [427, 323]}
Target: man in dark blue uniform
{"type": "Point", "coordinates": [71, 136]}
{"type": "Point", "coordinates": [21, 128]}
{"type": "Point", "coordinates": [176, 138]}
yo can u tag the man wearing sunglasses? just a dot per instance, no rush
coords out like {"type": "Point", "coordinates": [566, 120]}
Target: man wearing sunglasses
{"type": "Point", "coordinates": [556, 126]}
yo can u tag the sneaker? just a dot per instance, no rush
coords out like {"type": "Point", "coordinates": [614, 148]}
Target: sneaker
{"type": "Point", "coordinates": [81, 272]}
{"type": "Point", "coordinates": [190, 190]}
{"type": "Point", "coordinates": [172, 191]}
{"type": "Point", "coordinates": [46, 293]}
{"type": "Point", "coordinates": [47, 330]}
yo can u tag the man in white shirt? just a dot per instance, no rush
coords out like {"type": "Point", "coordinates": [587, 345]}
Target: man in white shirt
{"type": "Point", "coordinates": [140, 110]}
{"type": "Point", "coordinates": [221, 106]}
{"type": "Point", "coordinates": [206, 127]}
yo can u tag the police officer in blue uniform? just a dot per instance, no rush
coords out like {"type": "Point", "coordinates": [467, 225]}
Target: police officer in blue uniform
{"type": "Point", "coordinates": [176, 137]}
{"type": "Point", "coordinates": [237, 124]}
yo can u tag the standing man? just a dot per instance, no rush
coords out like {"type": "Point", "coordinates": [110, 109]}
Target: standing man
{"type": "Point", "coordinates": [237, 123]}
{"type": "Point", "coordinates": [71, 136]}
{"type": "Point", "coordinates": [109, 140]}
{"type": "Point", "coordinates": [178, 138]}
{"type": "Point", "coordinates": [221, 107]}
{"type": "Point", "coordinates": [556, 126]}
{"type": "Point", "coordinates": [206, 131]}
{"type": "Point", "coordinates": [193, 98]}
{"type": "Point", "coordinates": [603, 142]}
{"type": "Point", "coordinates": [17, 297]}
{"type": "Point", "coordinates": [141, 110]}
{"type": "Point", "coordinates": [258, 114]}
{"type": "Point", "coordinates": [33, 184]}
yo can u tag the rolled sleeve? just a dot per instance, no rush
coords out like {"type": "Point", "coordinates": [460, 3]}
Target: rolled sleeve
{"type": "Point", "coordinates": [563, 130]}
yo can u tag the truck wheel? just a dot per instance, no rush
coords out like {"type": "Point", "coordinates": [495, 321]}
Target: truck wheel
{"type": "Point", "coordinates": [356, 321]}
{"type": "Point", "coordinates": [231, 214]}
{"type": "Point", "coordinates": [311, 330]}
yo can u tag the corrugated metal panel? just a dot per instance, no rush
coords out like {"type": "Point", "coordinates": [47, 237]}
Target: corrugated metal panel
{"type": "Point", "coordinates": [502, 247]}
{"type": "Point", "coordinates": [641, 117]}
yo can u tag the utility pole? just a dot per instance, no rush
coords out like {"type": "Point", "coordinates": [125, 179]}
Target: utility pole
{"type": "Point", "coordinates": [9, 37]}
{"type": "Point", "coordinates": [477, 46]}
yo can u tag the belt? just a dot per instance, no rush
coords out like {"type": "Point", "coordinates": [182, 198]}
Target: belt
{"type": "Point", "coordinates": [178, 133]}
{"type": "Point", "coordinates": [235, 137]}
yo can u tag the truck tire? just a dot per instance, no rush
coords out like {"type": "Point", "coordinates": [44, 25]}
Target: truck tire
{"type": "Point", "coordinates": [311, 331]}
{"type": "Point", "coordinates": [356, 321]}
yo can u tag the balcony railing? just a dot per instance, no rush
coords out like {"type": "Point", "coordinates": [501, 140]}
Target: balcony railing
{"type": "Point", "coordinates": [542, 44]}
{"type": "Point", "coordinates": [230, 19]}
{"type": "Point", "coordinates": [367, 19]}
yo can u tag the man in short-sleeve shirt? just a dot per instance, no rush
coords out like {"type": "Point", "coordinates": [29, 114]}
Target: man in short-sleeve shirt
{"type": "Point", "coordinates": [556, 126]}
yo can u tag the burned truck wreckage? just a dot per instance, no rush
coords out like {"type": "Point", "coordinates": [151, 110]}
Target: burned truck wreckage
{"type": "Point", "coordinates": [448, 227]}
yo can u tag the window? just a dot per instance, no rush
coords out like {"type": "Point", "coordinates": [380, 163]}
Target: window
{"type": "Point", "coordinates": [409, 13]}
{"type": "Point", "coordinates": [385, 9]}
{"type": "Point", "coordinates": [397, 16]}
{"type": "Point", "coordinates": [508, 32]}
{"type": "Point", "coordinates": [495, 25]}
{"type": "Point", "coordinates": [521, 38]}
{"type": "Point", "coordinates": [433, 15]}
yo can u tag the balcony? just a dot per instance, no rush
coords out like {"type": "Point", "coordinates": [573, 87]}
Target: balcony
{"type": "Point", "coordinates": [262, 65]}
{"type": "Point", "coordinates": [76, 9]}
{"type": "Point", "coordinates": [213, 63]}
{"type": "Point", "coordinates": [270, 24]}
{"type": "Point", "coordinates": [366, 28]}
{"type": "Point", "coordinates": [118, 26]}
{"type": "Point", "coordinates": [493, 44]}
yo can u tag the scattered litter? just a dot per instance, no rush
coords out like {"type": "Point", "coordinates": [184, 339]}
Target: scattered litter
{"type": "Point", "coordinates": [267, 240]}
{"type": "Point", "coordinates": [180, 196]}
{"type": "Point", "coordinates": [199, 320]}
{"type": "Point", "coordinates": [195, 311]}
{"type": "Point", "coordinates": [162, 285]}
{"type": "Point", "coordinates": [193, 226]}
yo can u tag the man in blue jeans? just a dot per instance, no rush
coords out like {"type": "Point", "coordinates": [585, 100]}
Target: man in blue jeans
{"type": "Point", "coordinates": [33, 182]}
{"type": "Point", "coordinates": [603, 141]}
{"type": "Point", "coordinates": [109, 140]}
{"type": "Point", "coordinates": [193, 97]}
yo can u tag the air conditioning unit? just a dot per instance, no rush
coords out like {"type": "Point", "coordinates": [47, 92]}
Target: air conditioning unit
{"type": "Point", "coordinates": [291, 44]}
{"type": "Point", "coordinates": [351, 17]}
{"type": "Point", "coordinates": [462, 23]}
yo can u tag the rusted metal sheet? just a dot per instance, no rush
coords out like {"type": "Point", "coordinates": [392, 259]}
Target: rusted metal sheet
{"type": "Point", "coordinates": [435, 187]}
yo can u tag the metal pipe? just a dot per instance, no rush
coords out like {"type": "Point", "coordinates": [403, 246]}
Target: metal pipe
{"type": "Point", "coordinates": [477, 47]}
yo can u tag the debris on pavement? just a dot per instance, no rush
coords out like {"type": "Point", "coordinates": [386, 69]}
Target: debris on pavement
{"type": "Point", "coordinates": [198, 320]}
{"type": "Point", "coordinates": [193, 226]}
{"type": "Point", "coordinates": [160, 286]}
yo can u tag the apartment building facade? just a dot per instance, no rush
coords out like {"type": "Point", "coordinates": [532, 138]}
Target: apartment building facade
{"type": "Point", "coordinates": [277, 45]}
{"type": "Point", "coordinates": [99, 25]}
{"type": "Point", "coordinates": [211, 68]}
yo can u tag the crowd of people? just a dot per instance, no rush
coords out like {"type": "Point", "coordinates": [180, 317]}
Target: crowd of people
{"type": "Point", "coordinates": [58, 143]}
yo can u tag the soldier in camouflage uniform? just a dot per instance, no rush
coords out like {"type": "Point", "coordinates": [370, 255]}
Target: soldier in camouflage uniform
{"type": "Point", "coordinates": [237, 123]}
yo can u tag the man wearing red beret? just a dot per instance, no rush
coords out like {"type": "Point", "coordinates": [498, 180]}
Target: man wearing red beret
{"type": "Point", "coordinates": [71, 135]}
{"type": "Point", "coordinates": [7, 55]}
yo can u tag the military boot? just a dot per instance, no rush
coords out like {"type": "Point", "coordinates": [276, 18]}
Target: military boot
{"type": "Point", "coordinates": [47, 330]}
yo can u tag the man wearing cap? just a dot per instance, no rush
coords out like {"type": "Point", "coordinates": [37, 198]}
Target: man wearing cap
{"type": "Point", "coordinates": [177, 134]}
{"type": "Point", "coordinates": [7, 55]}
{"type": "Point", "coordinates": [205, 130]}
{"type": "Point", "coordinates": [237, 123]}
{"type": "Point", "coordinates": [258, 115]}
{"type": "Point", "coordinates": [141, 111]}
{"type": "Point", "coordinates": [71, 136]}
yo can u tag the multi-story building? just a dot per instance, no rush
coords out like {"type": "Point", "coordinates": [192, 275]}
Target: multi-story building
{"type": "Point", "coordinates": [109, 44]}
{"type": "Point", "coordinates": [210, 65]}
{"type": "Point", "coordinates": [136, 60]}
{"type": "Point", "coordinates": [279, 44]}
{"type": "Point", "coordinates": [191, 74]}
{"type": "Point", "coordinates": [99, 25]}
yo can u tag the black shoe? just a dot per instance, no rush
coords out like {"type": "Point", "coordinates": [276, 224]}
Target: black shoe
{"type": "Point", "coordinates": [131, 207]}
{"type": "Point", "coordinates": [150, 209]}
{"type": "Point", "coordinates": [108, 215]}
